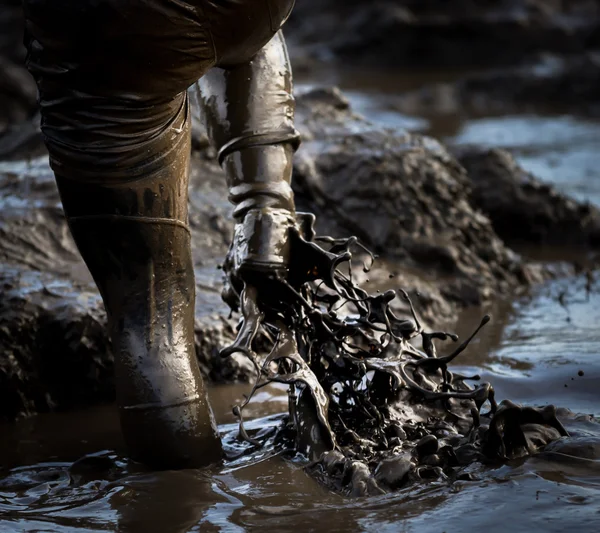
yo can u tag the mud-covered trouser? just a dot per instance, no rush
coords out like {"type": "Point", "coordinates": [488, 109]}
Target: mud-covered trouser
{"type": "Point", "coordinates": [112, 78]}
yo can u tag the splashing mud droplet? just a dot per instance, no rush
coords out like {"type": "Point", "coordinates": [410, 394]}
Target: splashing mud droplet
{"type": "Point", "coordinates": [371, 410]}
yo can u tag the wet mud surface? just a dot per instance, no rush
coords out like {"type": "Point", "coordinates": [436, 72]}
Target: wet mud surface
{"type": "Point", "coordinates": [522, 180]}
{"type": "Point", "coordinates": [522, 207]}
{"type": "Point", "coordinates": [60, 478]}
{"type": "Point", "coordinates": [105, 492]}
{"type": "Point", "coordinates": [564, 157]}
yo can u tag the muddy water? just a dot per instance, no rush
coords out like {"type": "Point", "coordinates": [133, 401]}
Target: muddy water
{"type": "Point", "coordinates": [68, 472]}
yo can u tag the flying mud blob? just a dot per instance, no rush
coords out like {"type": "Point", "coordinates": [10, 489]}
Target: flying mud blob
{"type": "Point", "coordinates": [371, 411]}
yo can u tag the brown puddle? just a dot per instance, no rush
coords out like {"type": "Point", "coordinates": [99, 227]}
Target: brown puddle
{"type": "Point", "coordinates": [529, 352]}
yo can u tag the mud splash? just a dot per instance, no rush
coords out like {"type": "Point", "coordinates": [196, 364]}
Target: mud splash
{"type": "Point", "coordinates": [387, 412]}
{"type": "Point", "coordinates": [68, 472]}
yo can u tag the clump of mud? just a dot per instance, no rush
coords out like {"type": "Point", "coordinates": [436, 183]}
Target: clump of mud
{"type": "Point", "coordinates": [372, 410]}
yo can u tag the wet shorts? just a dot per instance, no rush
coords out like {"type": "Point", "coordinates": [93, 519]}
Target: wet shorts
{"type": "Point", "coordinates": [112, 74]}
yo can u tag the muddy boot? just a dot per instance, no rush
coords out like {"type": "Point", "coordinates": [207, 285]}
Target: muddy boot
{"type": "Point", "coordinates": [135, 241]}
{"type": "Point", "coordinates": [249, 111]}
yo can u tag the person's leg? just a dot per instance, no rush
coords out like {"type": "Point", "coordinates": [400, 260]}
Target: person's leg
{"type": "Point", "coordinates": [119, 140]}
{"type": "Point", "coordinates": [112, 77]}
{"type": "Point", "coordinates": [249, 110]}
{"type": "Point", "coordinates": [134, 238]}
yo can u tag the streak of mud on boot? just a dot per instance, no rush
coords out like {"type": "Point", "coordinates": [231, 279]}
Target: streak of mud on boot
{"type": "Point", "coordinates": [372, 411]}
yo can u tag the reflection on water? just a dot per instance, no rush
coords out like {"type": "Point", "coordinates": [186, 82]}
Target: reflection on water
{"type": "Point", "coordinates": [548, 351]}
{"type": "Point", "coordinates": [379, 110]}
{"type": "Point", "coordinates": [529, 353]}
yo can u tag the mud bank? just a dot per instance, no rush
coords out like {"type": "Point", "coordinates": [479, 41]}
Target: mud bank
{"type": "Point", "coordinates": [404, 195]}
{"type": "Point", "coordinates": [523, 208]}
{"type": "Point", "coordinates": [408, 200]}
{"type": "Point", "coordinates": [462, 33]}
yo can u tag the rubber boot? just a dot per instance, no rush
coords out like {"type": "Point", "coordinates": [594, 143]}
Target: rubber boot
{"type": "Point", "coordinates": [249, 111]}
{"type": "Point", "coordinates": [135, 241]}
